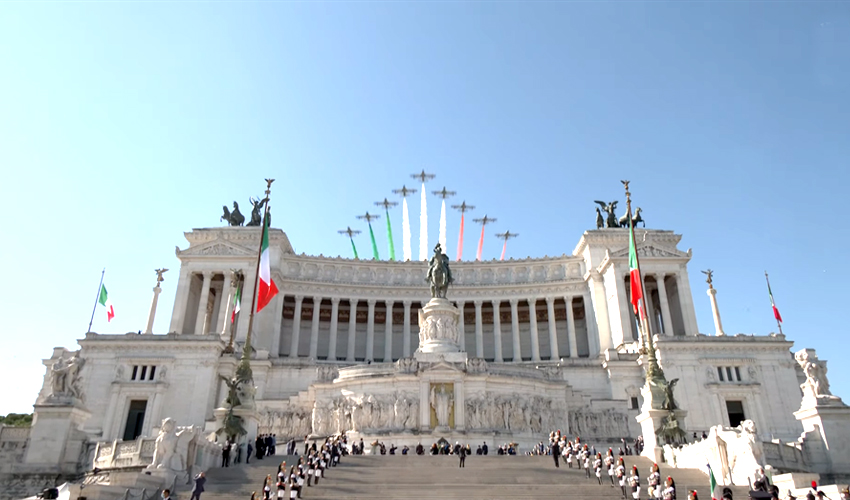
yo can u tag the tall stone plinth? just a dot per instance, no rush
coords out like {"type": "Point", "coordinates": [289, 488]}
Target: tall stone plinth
{"type": "Point", "coordinates": [250, 422]}
{"type": "Point", "coordinates": [56, 438]}
{"type": "Point", "coordinates": [438, 328]}
{"type": "Point", "coordinates": [826, 431]}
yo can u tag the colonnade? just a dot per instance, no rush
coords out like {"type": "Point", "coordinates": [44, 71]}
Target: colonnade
{"type": "Point", "coordinates": [379, 320]}
{"type": "Point", "coordinates": [672, 315]}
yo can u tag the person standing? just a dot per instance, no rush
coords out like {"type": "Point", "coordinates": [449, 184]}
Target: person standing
{"type": "Point", "coordinates": [556, 452]}
{"type": "Point", "coordinates": [250, 450]}
{"type": "Point", "coordinates": [609, 464]}
{"type": "Point", "coordinates": [166, 494]}
{"type": "Point", "coordinates": [462, 455]}
{"type": "Point", "coordinates": [484, 448]}
{"type": "Point", "coordinates": [225, 453]}
{"type": "Point", "coordinates": [621, 476]}
{"type": "Point", "coordinates": [597, 465]}
{"type": "Point", "coordinates": [198, 487]}
{"type": "Point", "coordinates": [634, 482]}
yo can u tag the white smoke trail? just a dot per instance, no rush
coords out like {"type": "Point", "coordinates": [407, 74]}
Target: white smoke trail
{"type": "Point", "coordinates": [443, 227]}
{"type": "Point", "coordinates": [423, 227]}
{"type": "Point", "coordinates": [405, 224]}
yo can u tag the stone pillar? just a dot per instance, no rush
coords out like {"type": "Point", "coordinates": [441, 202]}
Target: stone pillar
{"type": "Point", "coordinates": [593, 344]}
{"type": "Point", "coordinates": [686, 302]}
{"type": "Point", "coordinates": [152, 314]}
{"type": "Point", "coordinates": [314, 327]}
{"type": "Point", "coordinates": [479, 330]}
{"type": "Point", "coordinates": [370, 330]}
{"type": "Point", "coordinates": [202, 303]}
{"type": "Point", "coordinates": [334, 328]}
{"type": "Point", "coordinates": [211, 304]}
{"type": "Point", "coordinates": [405, 342]}
{"type": "Point", "coordinates": [571, 326]}
{"type": "Point", "coordinates": [532, 320]}
{"type": "Point", "coordinates": [388, 333]}
{"type": "Point", "coordinates": [352, 328]}
{"type": "Point", "coordinates": [666, 318]}
{"type": "Point", "coordinates": [600, 311]}
{"type": "Point", "coordinates": [715, 312]}
{"type": "Point", "coordinates": [515, 330]}
{"type": "Point", "coordinates": [625, 307]}
{"type": "Point", "coordinates": [224, 316]}
{"type": "Point", "coordinates": [181, 298]}
{"type": "Point", "coordinates": [461, 327]}
{"type": "Point", "coordinates": [296, 327]}
{"type": "Point", "coordinates": [650, 310]}
{"type": "Point", "coordinates": [553, 332]}
{"type": "Point", "coordinates": [497, 332]}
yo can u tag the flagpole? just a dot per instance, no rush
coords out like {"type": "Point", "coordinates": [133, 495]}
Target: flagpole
{"type": "Point", "coordinates": [97, 298]}
{"type": "Point", "coordinates": [247, 350]}
{"type": "Point", "coordinates": [652, 361]}
{"type": "Point", "coordinates": [772, 303]}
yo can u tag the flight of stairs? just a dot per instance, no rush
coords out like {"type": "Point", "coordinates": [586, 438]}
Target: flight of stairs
{"type": "Point", "coordinates": [399, 477]}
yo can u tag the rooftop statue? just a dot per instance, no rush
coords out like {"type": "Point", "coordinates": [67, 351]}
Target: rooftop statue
{"type": "Point", "coordinates": [439, 274]}
{"type": "Point", "coordinates": [256, 212]}
{"type": "Point", "coordinates": [234, 218]}
{"type": "Point", "coordinates": [636, 219]}
{"type": "Point", "coordinates": [609, 209]}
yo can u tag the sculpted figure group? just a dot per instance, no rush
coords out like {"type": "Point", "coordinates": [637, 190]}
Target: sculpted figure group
{"type": "Point", "coordinates": [65, 377]}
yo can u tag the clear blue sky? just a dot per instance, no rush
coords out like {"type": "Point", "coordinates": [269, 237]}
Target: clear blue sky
{"type": "Point", "coordinates": [125, 124]}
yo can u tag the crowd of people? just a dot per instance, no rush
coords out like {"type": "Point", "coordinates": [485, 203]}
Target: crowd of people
{"type": "Point", "coordinates": [579, 455]}
{"type": "Point", "coordinates": [307, 472]}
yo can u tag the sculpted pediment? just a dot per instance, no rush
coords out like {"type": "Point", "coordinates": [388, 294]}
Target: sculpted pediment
{"type": "Point", "coordinates": [215, 248]}
{"type": "Point", "coordinates": [442, 366]}
{"type": "Point", "coordinates": [649, 251]}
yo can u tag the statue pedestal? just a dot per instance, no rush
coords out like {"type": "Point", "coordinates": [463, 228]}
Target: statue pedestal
{"type": "Point", "coordinates": [650, 421]}
{"type": "Point", "coordinates": [250, 422]}
{"type": "Point", "coordinates": [826, 431]}
{"type": "Point", "coordinates": [438, 328]}
{"type": "Point", "coordinates": [56, 438]}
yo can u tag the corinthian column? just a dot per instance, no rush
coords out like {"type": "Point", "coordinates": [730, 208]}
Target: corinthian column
{"type": "Point", "coordinates": [532, 319]}
{"type": "Point", "coordinates": [571, 326]}
{"type": "Point", "coordinates": [479, 330]}
{"type": "Point", "coordinates": [515, 330]}
{"type": "Point", "coordinates": [296, 327]}
{"type": "Point", "coordinates": [497, 332]}
{"type": "Point", "coordinates": [314, 327]}
{"type": "Point", "coordinates": [334, 328]}
{"type": "Point", "coordinates": [370, 330]}
{"type": "Point", "coordinates": [405, 342]}
{"type": "Point", "coordinates": [352, 328]}
{"type": "Point", "coordinates": [388, 333]}
{"type": "Point", "coordinates": [202, 303]}
{"type": "Point", "coordinates": [461, 328]}
{"type": "Point", "coordinates": [228, 288]}
{"type": "Point", "coordinates": [667, 326]}
{"type": "Point", "coordinates": [553, 332]}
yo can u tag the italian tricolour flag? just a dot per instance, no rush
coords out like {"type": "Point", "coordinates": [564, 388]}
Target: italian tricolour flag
{"type": "Point", "coordinates": [713, 485]}
{"type": "Point", "coordinates": [267, 287]}
{"type": "Point", "coordinates": [105, 302]}
{"type": "Point", "coordinates": [634, 275]}
{"type": "Point", "coordinates": [237, 303]}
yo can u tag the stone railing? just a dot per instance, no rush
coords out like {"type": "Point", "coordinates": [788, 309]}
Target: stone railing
{"type": "Point", "coordinates": [13, 446]}
{"type": "Point", "coordinates": [121, 454]}
{"type": "Point", "coordinates": [787, 457]}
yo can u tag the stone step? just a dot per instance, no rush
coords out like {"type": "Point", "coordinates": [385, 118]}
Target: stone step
{"type": "Point", "coordinates": [404, 477]}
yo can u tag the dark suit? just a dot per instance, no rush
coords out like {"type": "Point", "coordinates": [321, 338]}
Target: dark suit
{"type": "Point", "coordinates": [556, 450]}
{"type": "Point", "coordinates": [198, 488]}
{"type": "Point", "coordinates": [462, 456]}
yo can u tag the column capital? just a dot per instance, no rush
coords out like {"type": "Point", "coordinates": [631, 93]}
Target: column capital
{"type": "Point", "coordinates": [550, 300]}
{"type": "Point", "coordinates": [207, 274]}
{"type": "Point", "coordinates": [533, 299]}
{"type": "Point", "coordinates": [461, 303]}
{"type": "Point", "coordinates": [317, 298]}
{"type": "Point", "coordinates": [514, 302]}
{"type": "Point", "coordinates": [495, 302]}
{"type": "Point", "coordinates": [569, 298]}
{"type": "Point", "coordinates": [371, 302]}
{"type": "Point", "coordinates": [659, 276]}
{"type": "Point", "coordinates": [353, 302]}
{"type": "Point", "coordinates": [478, 303]}
{"type": "Point", "coordinates": [407, 303]}
{"type": "Point", "coordinates": [299, 298]}
{"type": "Point", "coordinates": [335, 301]}
{"type": "Point", "coordinates": [389, 302]}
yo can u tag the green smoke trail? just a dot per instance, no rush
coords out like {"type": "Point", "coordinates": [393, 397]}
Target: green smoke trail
{"type": "Point", "coordinates": [390, 235]}
{"type": "Point", "coordinates": [374, 245]}
{"type": "Point", "coordinates": [354, 248]}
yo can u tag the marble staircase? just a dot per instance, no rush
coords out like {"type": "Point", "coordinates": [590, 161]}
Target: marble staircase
{"type": "Point", "coordinates": [398, 477]}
